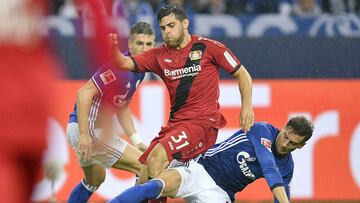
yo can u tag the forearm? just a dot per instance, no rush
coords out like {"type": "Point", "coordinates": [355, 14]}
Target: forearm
{"type": "Point", "coordinates": [83, 111]}
{"type": "Point", "coordinates": [126, 121]}
{"type": "Point", "coordinates": [280, 194]}
{"type": "Point", "coordinates": [84, 100]}
{"type": "Point", "coordinates": [119, 60]}
{"type": "Point", "coordinates": [245, 86]}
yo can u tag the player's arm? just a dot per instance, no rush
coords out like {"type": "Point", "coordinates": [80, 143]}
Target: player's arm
{"type": "Point", "coordinates": [84, 99]}
{"type": "Point", "coordinates": [245, 86]}
{"type": "Point", "coordinates": [119, 60]}
{"type": "Point", "coordinates": [280, 194]}
{"type": "Point", "coordinates": [284, 191]}
{"type": "Point", "coordinates": [267, 161]}
{"type": "Point", "coordinates": [231, 64]}
{"type": "Point", "coordinates": [124, 116]}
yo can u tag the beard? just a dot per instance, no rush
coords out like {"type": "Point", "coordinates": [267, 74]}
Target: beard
{"type": "Point", "coordinates": [175, 43]}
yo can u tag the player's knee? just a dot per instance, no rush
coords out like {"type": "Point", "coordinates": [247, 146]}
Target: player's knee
{"type": "Point", "coordinates": [95, 180]}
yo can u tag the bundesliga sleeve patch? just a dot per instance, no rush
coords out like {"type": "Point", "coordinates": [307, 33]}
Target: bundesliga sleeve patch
{"type": "Point", "coordinates": [107, 77]}
{"type": "Point", "coordinates": [266, 143]}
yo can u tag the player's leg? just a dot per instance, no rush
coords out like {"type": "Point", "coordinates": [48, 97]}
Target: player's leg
{"type": "Point", "coordinates": [181, 142]}
{"type": "Point", "coordinates": [157, 161]}
{"type": "Point", "coordinates": [129, 160]}
{"type": "Point", "coordinates": [197, 186]}
{"type": "Point", "coordinates": [167, 185]}
{"type": "Point", "coordinates": [94, 177]}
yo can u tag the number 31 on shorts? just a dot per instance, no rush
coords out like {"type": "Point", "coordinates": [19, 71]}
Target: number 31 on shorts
{"type": "Point", "coordinates": [180, 138]}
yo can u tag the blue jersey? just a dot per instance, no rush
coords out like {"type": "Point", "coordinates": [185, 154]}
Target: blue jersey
{"type": "Point", "coordinates": [115, 87]}
{"type": "Point", "coordinates": [245, 157]}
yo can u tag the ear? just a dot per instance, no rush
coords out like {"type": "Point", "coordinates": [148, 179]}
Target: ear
{"type": "Point", "coordinates": [186, 23]}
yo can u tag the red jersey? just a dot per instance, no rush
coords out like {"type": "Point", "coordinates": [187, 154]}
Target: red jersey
{"type": "Point", "coordinates": [191, 75]}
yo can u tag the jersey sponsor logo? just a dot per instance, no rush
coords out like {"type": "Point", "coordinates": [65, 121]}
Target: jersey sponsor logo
{"type": "Point", "coordinates": [107, 77]}
{"type": "Point", "coordinates": [230, 59]}
{"type": "Point", "coordinates": [241, 159]}
{"type": "Point", "coordinates": [195, 55]}
{"type": "Point", "coordinates": [183, 72]}
{"type": "Point", "coordinates": [266, 143]}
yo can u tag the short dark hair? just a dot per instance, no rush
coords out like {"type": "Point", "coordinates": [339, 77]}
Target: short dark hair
{"type": "Point", "coordinates": [301, 126]}
{"type": "Point", "coordinates": [172, 9]}
{"type": "Point", "coordinates": [141, 28]}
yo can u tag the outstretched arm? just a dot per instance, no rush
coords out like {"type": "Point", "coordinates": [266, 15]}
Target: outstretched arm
{"type": "Point", "coordinates": [119, 60]}
{"type": "Point", "coordinates": [245, 87]}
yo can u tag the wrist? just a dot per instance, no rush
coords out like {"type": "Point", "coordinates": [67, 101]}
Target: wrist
{"type": "Point", "coordinates": [135, 139]}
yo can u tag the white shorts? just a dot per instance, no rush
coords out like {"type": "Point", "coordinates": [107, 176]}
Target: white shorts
{"type": "Point", "coordinates": [101, 153]}
{"type": "Point", "coordinates": [197, 186]}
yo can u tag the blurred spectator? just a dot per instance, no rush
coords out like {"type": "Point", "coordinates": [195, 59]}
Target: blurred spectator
{"type": "Point", "coordinates": [55, 6]}
{"type": "Point", "coordinates": [341, 6]}
{"type": "Point", "coordinates": [306, 8]}
{"type": "Point", "coordinates": [134, 10]}
{"type": "Point", "coordinates": [236, 7]}
{"type": "Point", "coordinates": [263, 6]}
{"type": "Point", "coordinates": [252, 7]}
{"type": "Point", "coordinates": [217, 7]}
{"type": "Point", "coordinates": [201, 6]}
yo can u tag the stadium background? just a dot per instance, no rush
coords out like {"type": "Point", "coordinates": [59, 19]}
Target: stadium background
{"type": "Point", "coordinates": [306, 66]}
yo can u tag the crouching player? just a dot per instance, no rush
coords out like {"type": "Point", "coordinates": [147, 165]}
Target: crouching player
{"type": "Point", "coordinates": [228, 167]}
{"type": "Point", "coordinates": [90, 129]}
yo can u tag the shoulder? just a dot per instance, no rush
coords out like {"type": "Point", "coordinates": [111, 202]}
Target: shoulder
{"type": "Point", "coordinates": [263, 130]}
{"type": "Point", "coordinates": [209, 42]}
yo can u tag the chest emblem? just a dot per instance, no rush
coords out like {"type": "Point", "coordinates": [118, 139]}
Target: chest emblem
{"type": "Point", "coordinates": [195, 55]}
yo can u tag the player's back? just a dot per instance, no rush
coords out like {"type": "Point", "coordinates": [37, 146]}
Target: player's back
{"type": "Point", "coordinates": [233, 163]}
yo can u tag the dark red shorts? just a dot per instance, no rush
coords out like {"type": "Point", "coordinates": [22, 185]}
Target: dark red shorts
{"type": "Point", "coordinates": [183, 140]}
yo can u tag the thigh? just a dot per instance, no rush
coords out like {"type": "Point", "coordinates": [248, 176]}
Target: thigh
{"type": "Point", "coordinates": [198, 187]}
{"type": "Point", "coordinates": [129, 160]}
{"type": "Point", "coordinates": [106, 154]}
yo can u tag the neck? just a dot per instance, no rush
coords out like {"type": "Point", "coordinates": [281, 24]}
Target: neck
{"type": "Point", "coordinates": [186, 40]}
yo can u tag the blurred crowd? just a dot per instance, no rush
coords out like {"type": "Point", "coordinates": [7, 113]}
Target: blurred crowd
{"type": "Point", "coordinates": [302, 8]}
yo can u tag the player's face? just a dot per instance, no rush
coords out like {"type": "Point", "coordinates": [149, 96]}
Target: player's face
{"type": "Point", "coordinates": [173, 30]}
{"type": "Point", "coordinates": [139, 43]}
{"type": "Point", "coordinates": [287, 141]}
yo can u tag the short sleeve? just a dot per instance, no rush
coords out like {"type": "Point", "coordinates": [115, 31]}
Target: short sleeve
{"type": "Point", "coordinates": [147, 61]}
{"type": "Point", "coordinates": [104, 77]}
{"type": "Point", "coordinates": [261, 138]}
{"type": "Point", "coordinates": [224, 57]}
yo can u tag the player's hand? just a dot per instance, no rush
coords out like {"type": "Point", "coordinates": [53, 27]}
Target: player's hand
{"type": "Point", "coordinates": [113, 40]}
{"type": "Point", "coordinates": [141, 146]}
{"type": "Point", "coordinates": [246, 117]}
{"type": "Point", "coordinates": [84, 147]}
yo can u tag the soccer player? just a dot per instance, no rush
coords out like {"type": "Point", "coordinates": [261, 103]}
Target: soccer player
{"type": "Point", "coordinates": [228, 167]}
{"type": "Point", "coordinates": [27, 85]}
{"type": "Point", "coordinates": [90, 129]}
{"type": "Point", "coordinates": [189, 66]}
